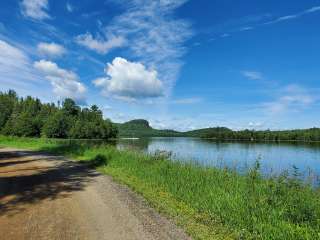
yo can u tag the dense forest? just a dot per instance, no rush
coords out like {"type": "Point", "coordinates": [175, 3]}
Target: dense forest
{"type": "Point", "coordinates": [141, 128]}
{"type": "Point", "coordinates": [307, 135]}
{"type": "Point", "coordinates": [28, 117]}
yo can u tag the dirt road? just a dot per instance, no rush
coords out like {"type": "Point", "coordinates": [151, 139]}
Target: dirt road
{"type": "Point", "coordinates": [48, 197]}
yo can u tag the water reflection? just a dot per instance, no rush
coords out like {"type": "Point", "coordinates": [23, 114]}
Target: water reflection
{"type": "Point", "coordinates": [274, 157]}
{"type": "Point", "coordinates": [141, 144]}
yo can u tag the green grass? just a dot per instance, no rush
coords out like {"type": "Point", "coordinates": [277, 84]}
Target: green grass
{"type": "Point", "coordinates": [208, 203]}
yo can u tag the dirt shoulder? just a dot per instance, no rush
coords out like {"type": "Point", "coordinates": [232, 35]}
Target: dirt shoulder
{"type": "Point", "coordinates": [49, 197]}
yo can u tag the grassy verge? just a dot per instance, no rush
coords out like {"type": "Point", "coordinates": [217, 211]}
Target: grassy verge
{"type": "Point", "coordinates": [208, 203]}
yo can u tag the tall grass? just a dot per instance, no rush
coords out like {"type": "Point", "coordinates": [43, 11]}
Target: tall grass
{"type": "Point", "coordinates": [209, 203]}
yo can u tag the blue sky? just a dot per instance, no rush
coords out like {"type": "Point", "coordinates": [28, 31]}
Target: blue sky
{"type": "Point", "coordinates": [180, 64]}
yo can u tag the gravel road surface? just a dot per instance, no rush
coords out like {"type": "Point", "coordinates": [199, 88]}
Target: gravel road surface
{"type": "Point", "coordinates": [49, 197]}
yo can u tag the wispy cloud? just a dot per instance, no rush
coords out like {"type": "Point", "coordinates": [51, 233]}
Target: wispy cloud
{"type": "Point", "coordinates": [66, 84]}
{"type": "Point", "coordinates": [225, 35]}
{"type": "Point", "coordinates": [293, 98]}
{"type": "Point", "coordinates": [35, 9]}
{"type": "Point", "coordinates": [258, 23]}
{"type": "Point", "coordinates": [155, 37]}
{"type": "Point", "coordinates": [253, 75]}
{"type": "Point", "coordinates": [92, 14]}
{"type": "Point", "coordinates": [313, 9]}
{"type": "Point", "coordinates": [255, 125]}
{"type": "Point", "coordinates": [17, 72]}
{"type": "Point", "coordinates": [69, 7]}
{"type": "Point", "coordinates": [51, 49]}
{"type": "Point", "coordinates": [187, 101]}
{"type": "Point", "coordinates": [294, 16]}
{"type": "Point", "coordinates": [245, 29]}
{"type": "Point", "coordinates": [15, 65]}
{"type": "Point", "coordinates": [100, 45]}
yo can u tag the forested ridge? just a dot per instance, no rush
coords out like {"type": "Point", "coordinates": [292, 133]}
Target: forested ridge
{"type": "Point", "coordinates": [29, 117]}
{"type": "Point", "coordinates": [141, 128]}
{"type": "Point", "coordinates": [221, 133]}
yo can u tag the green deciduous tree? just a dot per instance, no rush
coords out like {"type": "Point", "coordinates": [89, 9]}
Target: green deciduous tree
{"type": "Point", "coordinates": [29, 117]}
{"type": "Point", "coordinates": [57, 126]}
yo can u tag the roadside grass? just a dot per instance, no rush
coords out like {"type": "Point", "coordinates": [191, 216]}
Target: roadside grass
{"type": "Point", "coordinates": [208, 203]}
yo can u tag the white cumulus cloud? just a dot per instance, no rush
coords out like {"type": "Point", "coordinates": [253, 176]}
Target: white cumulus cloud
{"type": "Point", "coordinates": [51, 49]}
{"type": "Point", "coordinates": [129, 81]}
{"type": "Point", "coordinates": [99, 45]}
{"type": "Point", "coordinates": [65, 83]}
{"type": "Point", "coordinates": [35, 9]}
{"type": "Point", "coordinates": [155, 34]}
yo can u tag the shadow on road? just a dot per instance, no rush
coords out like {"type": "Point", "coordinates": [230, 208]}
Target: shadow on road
{"type": "Point", "coordinates": [44, 182]}
{"type": "Point", "coordinates": [12, 163]}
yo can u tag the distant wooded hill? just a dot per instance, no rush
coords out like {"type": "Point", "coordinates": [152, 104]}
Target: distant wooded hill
{"type": "Point", "coordinates": [29, 117]}
{"type": "Point", "coordinates": [141, 128]}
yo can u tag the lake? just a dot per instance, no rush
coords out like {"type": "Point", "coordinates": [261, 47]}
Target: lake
{"type": "Point", "coordinates": [274, 157]}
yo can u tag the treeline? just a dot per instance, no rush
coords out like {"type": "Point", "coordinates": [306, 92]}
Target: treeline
{"type": "Point", "coordinates": [220, 133]}
{"type": "Point", "coordinates": [28, 117]}
{"type": "Point", "coordinates": [141, 128]}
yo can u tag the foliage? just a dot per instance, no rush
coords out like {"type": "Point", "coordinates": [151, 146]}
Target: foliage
{"type": "Point", "coordinates": [7, 102]}
{"type": "Point", "coordinates": [23, 120]}
{"type": "Point", "coordinates": [57, 125]}
{"type": "Point", "coordinates": [312, 134]}
{"type": "Point", "coordinates": [141, 128]}
{"type": "Point", "coordinates": [28, 117]}
{"type": "Point", "coordinates": [209, 203]}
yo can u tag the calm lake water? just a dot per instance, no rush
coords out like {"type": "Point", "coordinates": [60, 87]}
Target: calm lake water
{"type": "Point", "coordinates": [274, 157]}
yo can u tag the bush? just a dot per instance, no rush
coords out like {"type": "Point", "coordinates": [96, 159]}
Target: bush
{"type": "Point", "coordinates": [99, 160]}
